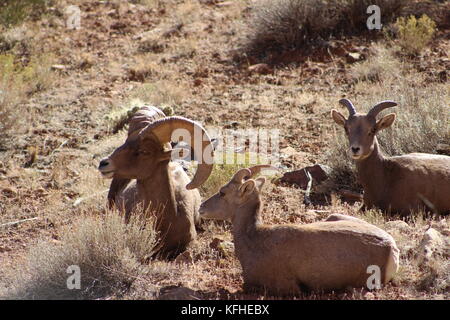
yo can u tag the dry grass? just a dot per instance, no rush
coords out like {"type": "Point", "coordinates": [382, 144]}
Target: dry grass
{"type": "Point", "coordinates": [289, 24]}
{"type": "Point", "coordinates": [14, 12]}
{"type": "Point", "coordinates": [17, 82]}
{"type": "Point", "coordinates": [109, 253]}
{"type": "Point", "coordinates": [194, 75]}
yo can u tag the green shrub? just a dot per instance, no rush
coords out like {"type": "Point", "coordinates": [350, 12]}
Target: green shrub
{"type": "Point", "coordinates": [414, 34]}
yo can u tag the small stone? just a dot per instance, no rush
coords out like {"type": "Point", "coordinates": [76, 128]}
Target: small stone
{"type": "Point", "coordinates": [260, 68]}
{"type": "Point", "coordinates": [318, 172]}
{"type": "Point", "coordinates": [397, 225]}
{"type": "Point", "coordinates": [353, 57]}
{"type": "Point", "coordinates": [177, 293]}
{"type": "Point", "coordinates": [9, 192]}
{"type": "Point", "coordinates": [58, 67]}
{"type": "Point", "coordinates": [369, 296]}
{"type": "Point", "coordinates": [432, 242]}
{"type": "Point", "coordinates": [184, 258]}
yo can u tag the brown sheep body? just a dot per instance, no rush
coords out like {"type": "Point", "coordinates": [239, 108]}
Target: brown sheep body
{"type": "Point", "coordinates": [288, 259]}
{"type": "Point", "coordinates": [397, 184]}
{"type": "Point", "coordinates": [161, 185]}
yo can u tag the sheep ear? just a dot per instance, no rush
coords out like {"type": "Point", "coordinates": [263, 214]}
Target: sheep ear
{"type": "Point", "coordinates": [385, 122]}
{"type": "Point", "coordinates": [260, 182]}
{"type": "Point", "coordinates": [338, 117]}
{"type": "Point", "coordinates": [165, 155]}
{"type": "Point", "coordinates": [246, 188]}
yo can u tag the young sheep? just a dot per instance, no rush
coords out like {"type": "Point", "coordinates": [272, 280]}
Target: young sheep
{"type": "Point", "coordinates": [286, 259]}
{"type": "Point", "coordinates": [394, 184]}
{"type": "Point", "coordinates": [161, 184]}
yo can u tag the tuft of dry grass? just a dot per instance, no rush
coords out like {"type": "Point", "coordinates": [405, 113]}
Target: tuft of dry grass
{"type": "Point", "coordinates": [288, 24]}
{"type": "Point", "coordinates": [109, 252]}
{"type": "Point", "coordinates": [14, 12]}
{"type": "Point", "coordinates": [381, 66]}
{"type": "Point", "coordinates": [17, 82]}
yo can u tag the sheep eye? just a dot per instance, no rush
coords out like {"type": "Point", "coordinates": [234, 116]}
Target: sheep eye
{"type": "Point", "coordinates": [221, 194]}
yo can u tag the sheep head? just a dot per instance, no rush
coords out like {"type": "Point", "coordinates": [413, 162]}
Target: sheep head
{"type": "Point", "coordinates": [144, 150]}
{"type": "Point", "coordinates": [235, 193]}
{"type": "Point", "coordinates": [361, 129]}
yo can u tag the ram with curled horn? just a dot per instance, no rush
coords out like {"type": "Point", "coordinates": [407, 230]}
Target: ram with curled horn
{"type": "Point", "coordinates": [398, 184]}
{"type": "Point", "coordinates": [160, 183]}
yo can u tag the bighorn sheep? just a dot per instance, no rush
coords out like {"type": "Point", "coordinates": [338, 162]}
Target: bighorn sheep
{"type": "Point", "coordinates": [287, 259]}
{"type": "Point", "coordinates": [160, 184]}
{"type": "Point", "coordinates": [394, 184]}
{"type": "Point", "coordinates": [141, 118]}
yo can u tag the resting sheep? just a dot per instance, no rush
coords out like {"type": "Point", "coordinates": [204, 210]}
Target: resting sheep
{"type": "Point", "coordinates": [286, 259]}
{"type": "Point", "coordinates": [394, 184]}
{"type": "Point", "coordinates": [160, 184]}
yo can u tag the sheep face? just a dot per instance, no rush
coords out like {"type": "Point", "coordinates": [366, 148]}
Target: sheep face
{"type": "Point", "coordinates": [137, 158]}
{"type": "Point", "coordinates": [361, 130]}
{"type": "Point", "coordinates": [231, 196]}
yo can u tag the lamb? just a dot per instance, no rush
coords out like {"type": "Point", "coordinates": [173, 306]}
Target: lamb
{"type": "Point", "coordinates": [289, 259]}
{"type": "Point", "coordinates": [398, 184]}
{"type": "Point", "coordinates": [160, 184]}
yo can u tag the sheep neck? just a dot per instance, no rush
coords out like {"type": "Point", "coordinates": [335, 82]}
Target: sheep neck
{"type": "Point", "coordinates": [370, 171]}
{"type": "Point", "coordinates": [246, 224]}
{"type": "Point", "coordinates": [157, 192]}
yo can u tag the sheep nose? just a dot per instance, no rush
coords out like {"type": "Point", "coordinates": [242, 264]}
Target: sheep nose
{"type": "Point", "coordinates": [355, 149]}
{"type": "Point", "coordinates": [103, 163]}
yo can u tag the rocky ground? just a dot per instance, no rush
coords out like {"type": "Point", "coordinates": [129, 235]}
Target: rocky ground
{"type": "Point", "coordinates": [183, 54]}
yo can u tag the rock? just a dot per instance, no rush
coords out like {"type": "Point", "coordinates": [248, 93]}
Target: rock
{"type": "Point", "coordinates": [353, 57]}
{"type": "Point", "coordinates": [184, 258]}
{"type": "Point", "coordinates": [369, 296]}
{"type": "Point", "coordinates": [9, 192]}
{"type": "Point", "coordinates": [178, 293]}
{"type": "Point", "coordinates": [318, 172]}
{"type": "Point", "coordinates": [350, 196]}
{"type": "Point", "coordinates": [443, 149]}
{"type": "Point", "coordinates": [260, 68]}
{"type": "Point", "coordinates": [431, 242]}
{"type": "Point", "coordinates": [397, 225]}
{"type": "Point", "coordinates": [58, 67]}
{"type": "Point", "coordinates": [224, 4]}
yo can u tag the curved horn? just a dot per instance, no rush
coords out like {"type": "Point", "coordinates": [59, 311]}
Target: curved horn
{"type": "Point", "coordinates": [349, 105]}
{"type": "Point", "coordinates": [257, 169]}
{"type": "Point", "coordinates": [143, 117]}
{"type": "Point", "coordinates": [242, 174]}
{"type": "Point", "coordinates": [162, 129]}
{"type": "Point", "coordinates": [376, 109]}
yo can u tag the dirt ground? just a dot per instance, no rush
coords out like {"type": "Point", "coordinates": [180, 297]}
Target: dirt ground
{"type": "Point", "coordinates": [181, 54]}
